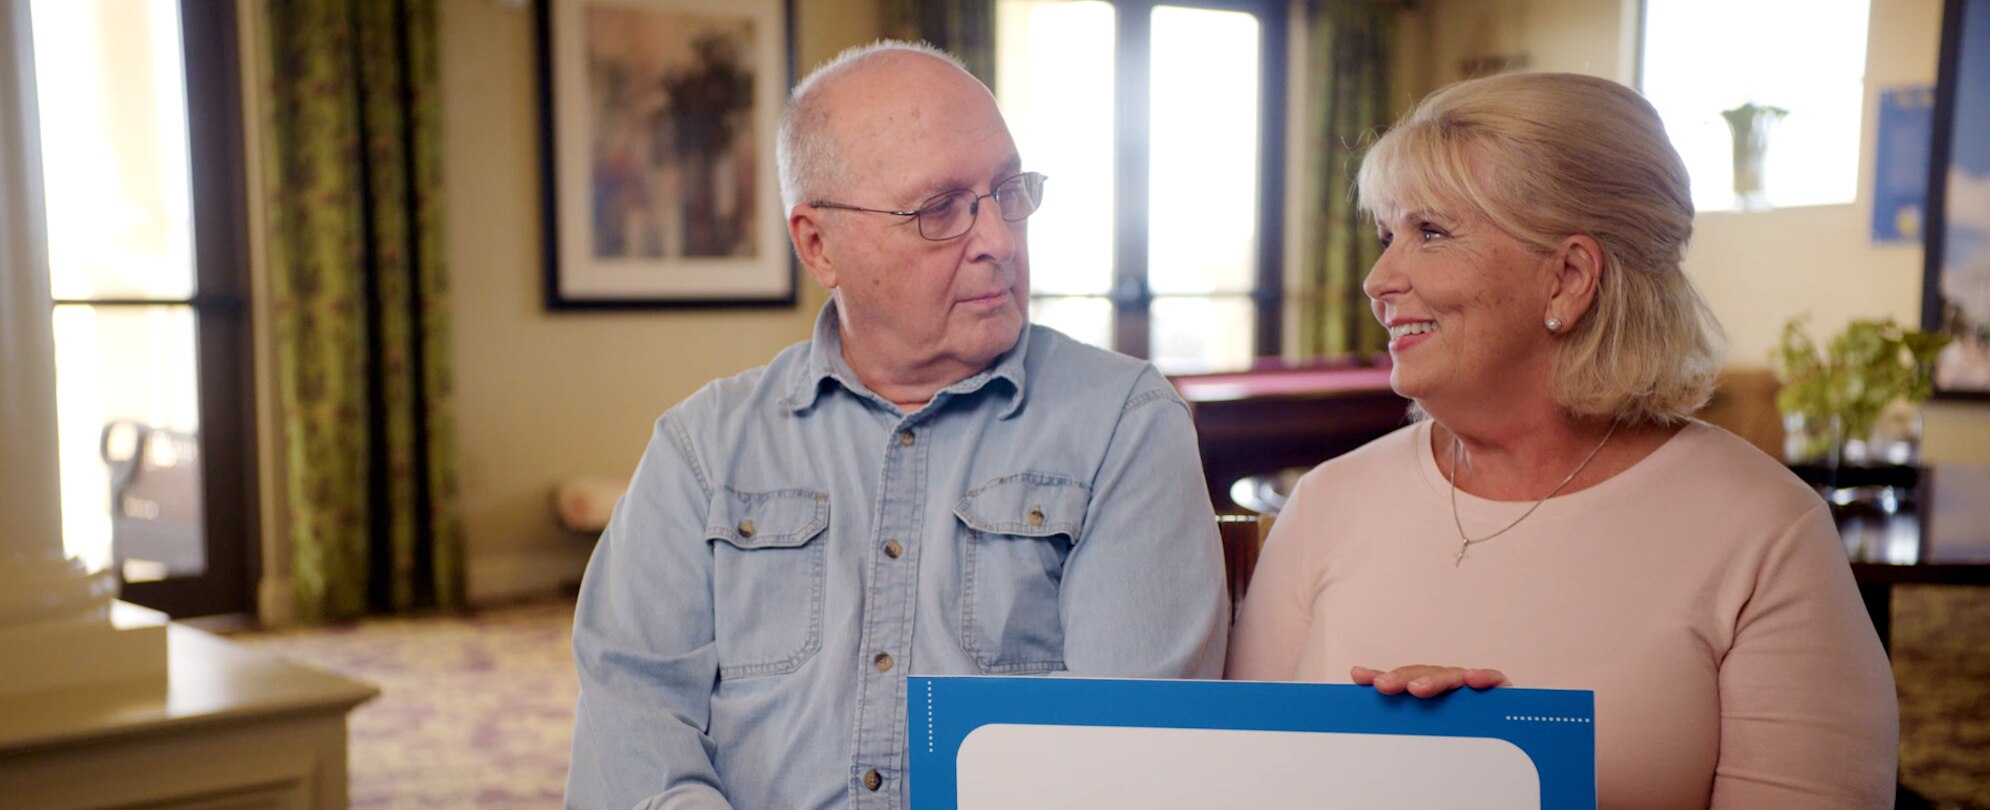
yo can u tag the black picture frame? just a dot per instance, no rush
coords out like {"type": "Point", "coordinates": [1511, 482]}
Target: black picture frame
{"type": "Point", "coordinates": [1965, 35]}
{"type": "Point", "coordinates": [617, 234]}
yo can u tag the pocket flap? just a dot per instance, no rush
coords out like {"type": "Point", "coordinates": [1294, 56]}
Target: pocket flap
{"type": "Point", "coordinates": [783, 518]}
{"type": "Point", "coordinates": [1029, 504]}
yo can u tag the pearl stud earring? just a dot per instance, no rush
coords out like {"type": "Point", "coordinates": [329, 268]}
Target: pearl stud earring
{"type": "Point", "coordinates": [1554, 324]}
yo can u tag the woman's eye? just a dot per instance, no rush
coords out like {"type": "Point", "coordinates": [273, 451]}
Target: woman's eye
{"type": "Point", "coordinates": [1431, 232]}
{"type": "Point", "coordinates": [1384, 239]}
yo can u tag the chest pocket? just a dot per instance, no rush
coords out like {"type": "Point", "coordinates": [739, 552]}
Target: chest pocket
{"type": "Point", "coordinates": [767, 577]}
{"type": "Point", "coordinates": [1018, 531]}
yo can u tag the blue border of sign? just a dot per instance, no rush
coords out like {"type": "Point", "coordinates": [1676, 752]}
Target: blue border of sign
{"type": "Point", "coordinates": [1555, 728]}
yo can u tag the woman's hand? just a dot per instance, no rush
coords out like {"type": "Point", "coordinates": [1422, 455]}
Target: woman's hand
{"type": "Point", "coordinates": [1426, 681]}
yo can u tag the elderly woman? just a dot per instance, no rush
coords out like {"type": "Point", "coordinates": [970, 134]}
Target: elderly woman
{"type": "Point", "coordinates": [1559, 517]}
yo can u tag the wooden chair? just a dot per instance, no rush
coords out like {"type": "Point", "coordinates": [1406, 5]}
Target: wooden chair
{"type": "Point", "coordinates": [1243, 536]}
{"type": "Point", "coordinates": [1744, 403]}
{"type": "Point", "coordinates": [155, 498]}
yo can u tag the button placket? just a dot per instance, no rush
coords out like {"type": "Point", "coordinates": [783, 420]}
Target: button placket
{"type": "Point", "coordinates": [889, 603]}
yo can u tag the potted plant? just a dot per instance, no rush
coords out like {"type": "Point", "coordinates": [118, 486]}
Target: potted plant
{"type": "Point", "coordinates": [1833, 400]}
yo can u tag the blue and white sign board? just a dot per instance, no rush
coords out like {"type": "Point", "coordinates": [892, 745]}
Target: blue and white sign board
{"type": "Point", "coordinates": [1084, 743]}
{"type": "Point", "coordinates": [1900, 163]}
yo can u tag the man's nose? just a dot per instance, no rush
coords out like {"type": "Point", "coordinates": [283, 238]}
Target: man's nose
{"type": "Point", "coordinates": [991, 237]}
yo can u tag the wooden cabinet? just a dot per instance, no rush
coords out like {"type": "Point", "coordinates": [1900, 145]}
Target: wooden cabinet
{"type": "Point", "coordinates": [232, 728]}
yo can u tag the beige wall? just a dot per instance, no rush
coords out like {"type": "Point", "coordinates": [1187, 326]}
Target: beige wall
{"type": "Point", "coordinates": [1756, 269]}
{"type": "Point", "coordinates": [544, 396]}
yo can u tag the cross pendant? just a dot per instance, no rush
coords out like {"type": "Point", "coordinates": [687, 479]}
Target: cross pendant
{"type": "Point", "coordinates": [1459, 558]}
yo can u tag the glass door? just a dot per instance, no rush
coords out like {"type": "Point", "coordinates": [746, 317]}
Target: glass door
{"type": "Point", "coordinates": [142, 164]}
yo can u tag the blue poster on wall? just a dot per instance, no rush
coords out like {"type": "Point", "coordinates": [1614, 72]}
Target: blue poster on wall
{"type": "Point", "coordinates": [1072, 743]}
{"type": "Point", "coordinates": [1900, 163]}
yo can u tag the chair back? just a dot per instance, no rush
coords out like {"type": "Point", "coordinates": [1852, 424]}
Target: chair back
{"type": "Point", "coordinates": [156, 498]}
{"type": "Point", "coordinates": [1243, 536]}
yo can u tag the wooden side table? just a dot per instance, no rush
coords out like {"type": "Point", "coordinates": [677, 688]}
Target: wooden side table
{"type": "Point", "coordinates": [233, 728]}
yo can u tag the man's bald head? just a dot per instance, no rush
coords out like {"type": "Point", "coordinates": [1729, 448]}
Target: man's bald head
{"type": "Point", "coordinates": [807, 153]}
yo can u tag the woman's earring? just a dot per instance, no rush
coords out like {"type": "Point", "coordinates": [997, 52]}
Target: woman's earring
{"type": "Point", "coordinates": [1554, 324]}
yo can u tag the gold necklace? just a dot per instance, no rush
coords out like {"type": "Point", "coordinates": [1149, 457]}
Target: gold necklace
{"type": "Point", "coordinates": [1465, 542]}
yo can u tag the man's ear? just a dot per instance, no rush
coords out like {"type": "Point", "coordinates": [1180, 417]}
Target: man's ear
{"type": "Point", "coordinates": [1577, 275]}
{"type": "Point", "coordinates": [805, 230]}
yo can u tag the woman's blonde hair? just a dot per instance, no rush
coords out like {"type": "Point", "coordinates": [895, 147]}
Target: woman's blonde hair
{"type": "Point", "coordinates": [1545, 156]}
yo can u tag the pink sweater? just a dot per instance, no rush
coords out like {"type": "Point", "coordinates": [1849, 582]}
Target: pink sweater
{"type": "Point", "coordinates": [1703, 594]}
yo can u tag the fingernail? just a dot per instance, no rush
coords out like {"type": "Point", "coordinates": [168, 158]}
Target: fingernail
{"type": "Point", "coordinates": [1420, 683]}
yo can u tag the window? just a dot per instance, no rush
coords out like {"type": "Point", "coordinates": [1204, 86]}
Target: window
{"type": "Point", "coordinates": [1705, 56]}
{"type": "Point", "coordinates": [134, 100]}
{"type": "Point", "coordinates": [1161, 127]}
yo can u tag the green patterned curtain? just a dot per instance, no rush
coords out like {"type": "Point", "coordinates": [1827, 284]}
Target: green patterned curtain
{"type": "Point", "coordinates": [351, 145]}
{"type": "Point", "coordinates": [1348, 62]}
{"type": "Point", "coordinates": [964, 27]}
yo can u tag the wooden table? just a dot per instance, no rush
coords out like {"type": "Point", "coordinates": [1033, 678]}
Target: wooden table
{"type": "Point", "coordinates": [1277, 417]}
{"type": "Point", "coordinates": [231, 728]}
{"type": "Point", "coordinates": [1937, 531]}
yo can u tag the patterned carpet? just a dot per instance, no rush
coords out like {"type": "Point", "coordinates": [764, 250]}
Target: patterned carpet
{"type": "Point", "coordinates": [477, 710]}
{"type": "Point", "coordinates": [1941, 663]}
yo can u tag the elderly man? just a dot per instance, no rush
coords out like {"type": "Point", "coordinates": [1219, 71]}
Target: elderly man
{"type": "Point", "coordinates": [929, 486]}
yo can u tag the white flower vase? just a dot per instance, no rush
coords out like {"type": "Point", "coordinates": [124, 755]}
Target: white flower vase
{"type": "Point", "coordinates": [1750, 124]}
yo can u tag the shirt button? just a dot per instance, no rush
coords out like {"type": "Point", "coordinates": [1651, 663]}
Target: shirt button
{"type": "Point", "coordinates": [1036, 516]}
{"type": "Point", "coordinates": [883, 662]}
{"type": "Point", "coordinates": [892, 549]}
{"type": "Point", "coordinates": [746, 528]}
{"type": "Point", "coordinates": [873, 780]}
{"type": "Point", "coordinates": [905, 438]}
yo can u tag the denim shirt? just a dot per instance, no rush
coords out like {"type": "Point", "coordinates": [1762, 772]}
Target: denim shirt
{"type": "Point", "coordinates": [792, 546]}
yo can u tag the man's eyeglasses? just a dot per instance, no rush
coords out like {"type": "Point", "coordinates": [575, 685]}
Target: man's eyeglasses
{"type": "Point", "coordinates": [951, 214]}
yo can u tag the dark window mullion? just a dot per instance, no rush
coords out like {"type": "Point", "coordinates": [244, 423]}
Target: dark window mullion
{"type": "Point", "coordinates": [1271, 177]}
{"type": "Point", "coordinates": [221, 283]}
{"type": "Point", "coordinates": [1131, 112]}
{"type": "Point", "coordinates": [221, 329]}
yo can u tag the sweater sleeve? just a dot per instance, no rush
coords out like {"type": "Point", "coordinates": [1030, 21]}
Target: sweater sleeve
{"type": "Point", "coordinates": [1808, 712]}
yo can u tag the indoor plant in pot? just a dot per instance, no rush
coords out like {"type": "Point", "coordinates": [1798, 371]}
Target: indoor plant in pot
{"type": "Point", "coordinates": [1851, 401]}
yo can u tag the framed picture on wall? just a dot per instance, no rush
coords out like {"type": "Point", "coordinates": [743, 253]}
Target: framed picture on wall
{"type": "Point", "coordinates": [1956, 288]}
{"type": "Point", "coordinates": [658, 121]}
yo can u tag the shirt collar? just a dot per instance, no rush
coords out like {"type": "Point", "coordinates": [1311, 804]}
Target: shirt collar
{"type": "Point", "coordinates": [825, 362]}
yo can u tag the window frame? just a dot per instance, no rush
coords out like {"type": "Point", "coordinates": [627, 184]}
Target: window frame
{"type": "Point", "coordinates": [1638, 77]}
{"type": "Point", "coordinates": [1130, 296]}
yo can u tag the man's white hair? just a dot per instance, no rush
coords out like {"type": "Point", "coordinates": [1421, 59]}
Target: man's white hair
{"type": "Point", "coordinates": [805, 150]}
